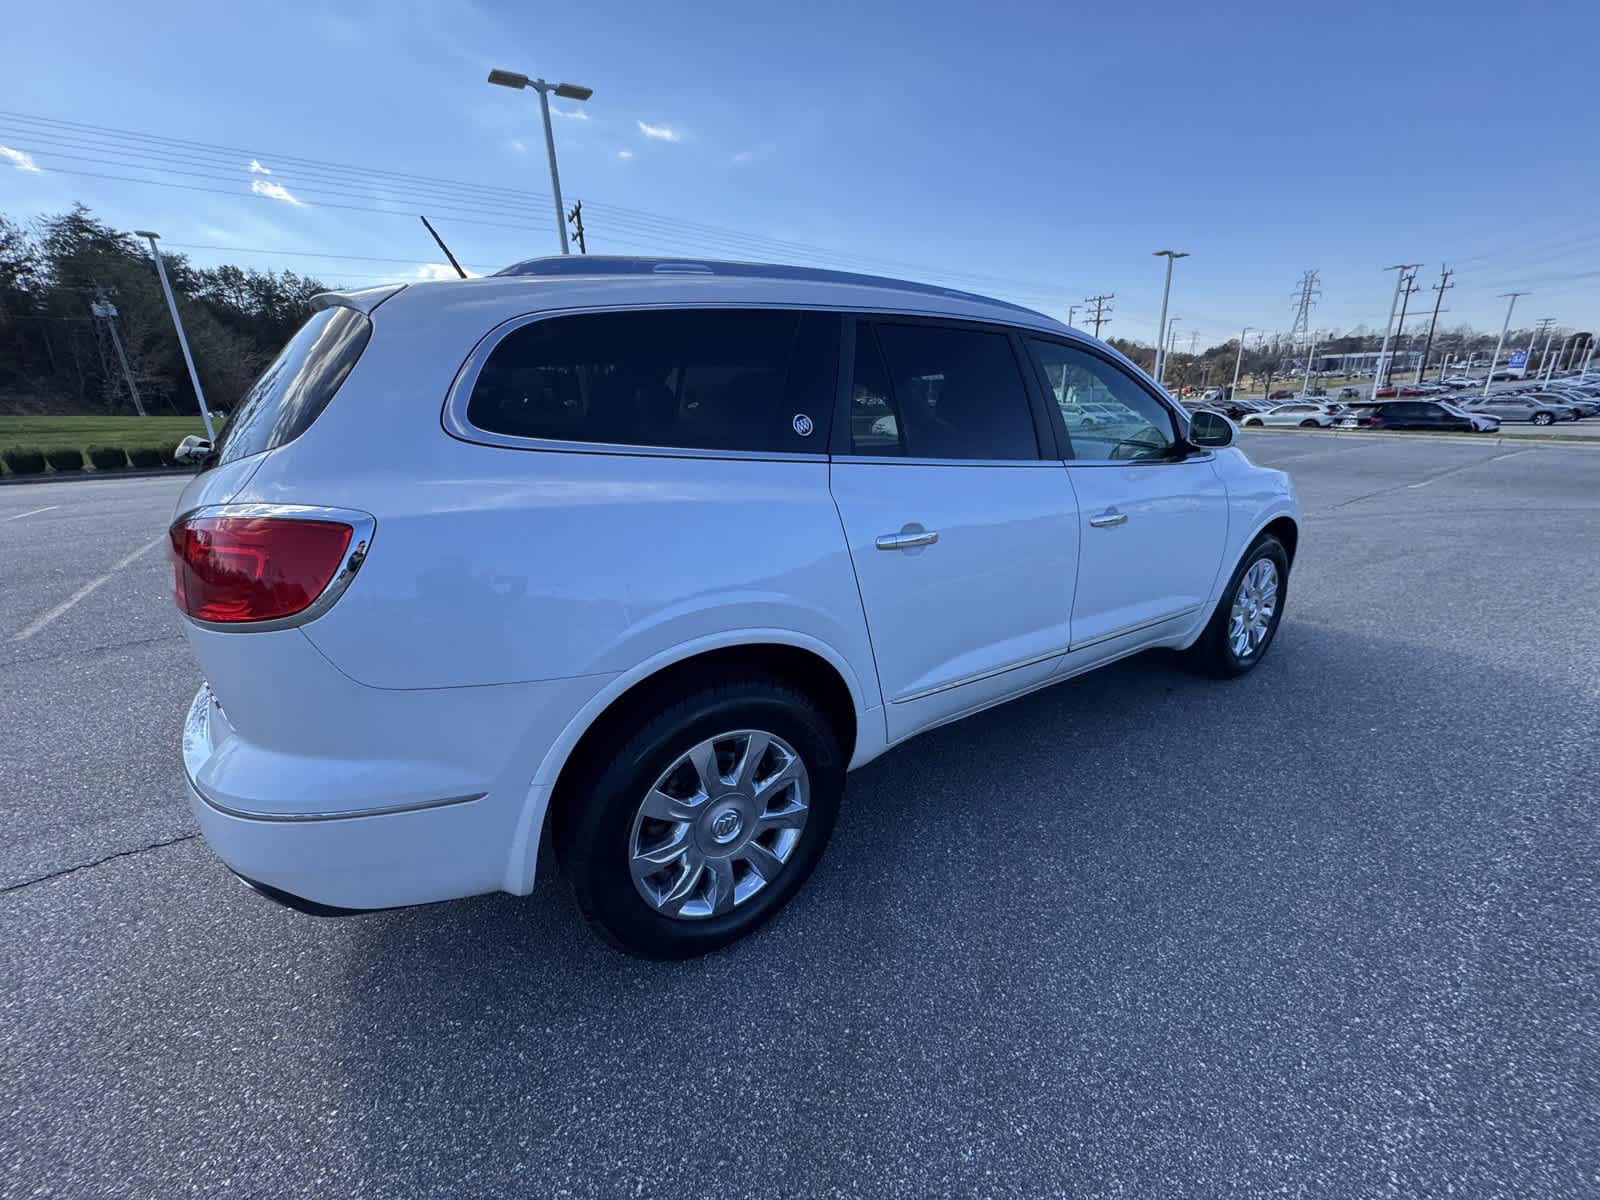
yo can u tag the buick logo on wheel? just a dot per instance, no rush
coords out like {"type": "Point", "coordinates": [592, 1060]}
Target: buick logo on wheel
{"type": "Point", "coordinates": [803, 425]}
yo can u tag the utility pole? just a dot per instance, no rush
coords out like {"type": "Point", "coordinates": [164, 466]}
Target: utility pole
{"type": "Point", "coordinates": [1164, 350]}
{"type": "Point", "coordinates": [575, 217]}
{"type": "Point", "coordinates": [1539, 327]}
{"type": "Point", "coordinates": [1238, 361]}
{"type": "Point", "coordinates": [1410, 290]}
{"type": "Point", "coordinates": [1488, 379]}
{"type": "Point", "coordinates": [1383, 354]}
{"type": "Point", "coordinates": [104, 310]}
{"type": "Point", "coordinates": [1101, 308]}
{"type": "Point", "coordinates": [1441, 287]}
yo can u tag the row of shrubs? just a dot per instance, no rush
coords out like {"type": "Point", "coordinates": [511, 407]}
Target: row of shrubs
{"type": "Point", "coordinates": [26, 460]}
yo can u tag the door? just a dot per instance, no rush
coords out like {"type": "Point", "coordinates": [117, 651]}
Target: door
{"type": "Point", "coordinates": [1153, 525]}
{"type": "Point", "coordinates": [963, 535]}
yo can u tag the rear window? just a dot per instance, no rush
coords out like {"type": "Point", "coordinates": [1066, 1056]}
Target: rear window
{"type": "Point", "coordinates": [294, 390]}
{"type": "Point", "coordinates": [757, 380]}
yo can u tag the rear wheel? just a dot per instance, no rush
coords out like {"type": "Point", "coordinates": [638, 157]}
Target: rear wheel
{"type": "Point", "coordinates": [1308, 424]}
{"type": "Point", "coordinates": [1543, 418]}
{"type": "Point", "coordinates": [1252, 422]}
{"type": "Point", "coordinates": [1246, 617]}
{"type": "Point", "coordinates": [706, 819]}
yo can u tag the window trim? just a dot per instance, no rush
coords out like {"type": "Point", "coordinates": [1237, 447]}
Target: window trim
{"type": "Point", "coordinates": [1178, 417]}
{"type": "Point", "coordinates": [840, 446]}
{"type": "Point", "coordinates": [453, 417]}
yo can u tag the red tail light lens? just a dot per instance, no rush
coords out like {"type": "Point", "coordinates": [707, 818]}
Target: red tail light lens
{"type": "Point", "coordinates": [233, 569]}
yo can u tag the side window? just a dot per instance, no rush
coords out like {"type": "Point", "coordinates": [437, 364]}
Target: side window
{"type": "Point", "coordinates": [933, 391]}
{"type": "Point", "coordinates": [1107, 414]}
{"type": "Point", "coordinates": [705, 379]}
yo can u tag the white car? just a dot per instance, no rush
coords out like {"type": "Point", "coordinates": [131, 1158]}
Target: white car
{"type": "Point", "coordinates": [639, 557]}
{"type": "Point", "coordinates": [1308, 414]}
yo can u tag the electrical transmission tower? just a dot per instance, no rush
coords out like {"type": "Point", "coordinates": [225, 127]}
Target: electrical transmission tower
{"type": "Point", "coordinates": [1101, 310]}
{"type": "Point", "coordinates": [1306, 294]}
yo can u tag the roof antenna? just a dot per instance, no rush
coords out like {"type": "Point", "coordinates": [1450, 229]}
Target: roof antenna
{"type": "Point", "coordinates": [443, 247]}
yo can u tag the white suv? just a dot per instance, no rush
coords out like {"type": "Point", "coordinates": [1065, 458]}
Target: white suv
{"type": "Point", "coordinates": [642, 556]}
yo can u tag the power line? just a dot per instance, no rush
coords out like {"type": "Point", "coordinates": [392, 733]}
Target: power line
{"type": "Point", "coordinates": [289, 170]}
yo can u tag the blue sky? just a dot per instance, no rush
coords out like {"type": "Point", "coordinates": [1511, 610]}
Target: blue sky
{"type": "Point", "coordinates": [1038, 152]}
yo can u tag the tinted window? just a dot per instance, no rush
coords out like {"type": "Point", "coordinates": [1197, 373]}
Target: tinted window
{"type": "Point", "coordinates": [932, 391]}
{"type": "Point", "coordinates": [294, 390]}
{"type": "Point", "coordinates": [707, 379]}
{"type": "Point", "coordinates": [1107, 414]}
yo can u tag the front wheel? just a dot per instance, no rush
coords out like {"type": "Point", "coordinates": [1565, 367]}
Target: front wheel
{"type": "Point", "coordinates": [1255, 423]}
{"type": "Point", "coordinates": [1543, 419]}
{"type": "Point", "coordinates": [705, 819]}
{"type": "Point", "coordinates": [1247, 615]}
{"type": "Point", "coordinates": [1310, 424]}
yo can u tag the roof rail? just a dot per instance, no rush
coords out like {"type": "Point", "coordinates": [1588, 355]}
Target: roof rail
{"type": "Point", "coordinates": [606, 264]}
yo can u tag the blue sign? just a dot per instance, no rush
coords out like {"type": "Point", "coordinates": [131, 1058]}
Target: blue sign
{"type": "Point", "coordinates": [1518, 360]}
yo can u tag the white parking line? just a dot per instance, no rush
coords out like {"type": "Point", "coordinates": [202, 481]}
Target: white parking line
{"type": "Point", "coordinates": [32, 512]}
{"type": "Point", "coordinates": [1469, 466]}
{"type": "Point", "coordinates": [85, 590]}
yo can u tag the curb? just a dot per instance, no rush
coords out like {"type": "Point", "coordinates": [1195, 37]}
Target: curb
{"type": "Point", "coordinates": [65, 476]}
{"type": "Point", "coordinates": [1581, 442]}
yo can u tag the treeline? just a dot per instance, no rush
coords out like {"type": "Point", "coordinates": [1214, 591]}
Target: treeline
{"type": "Point", "coordinates": [56, 356]}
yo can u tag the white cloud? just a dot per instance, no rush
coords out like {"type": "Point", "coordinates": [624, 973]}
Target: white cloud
{"type": "Point", "coordinates": [518, 145]}
{"type": "Point", "coordinates": [20, 159]}
{"type": "Point", "coordinates": [572, 114]}
{"type": "Point", "coordinates": [743, 156]}
{"type": "Point", "coordinates": [660, 132]}
{"type": "Point", "coordinates": [275, 191]}
{"type": "Point", "coordinates": [257, 169]}
{"type": "Point", "coordinates": [624, 154]}
{"type": "Point", "coordinates": [440, 271]}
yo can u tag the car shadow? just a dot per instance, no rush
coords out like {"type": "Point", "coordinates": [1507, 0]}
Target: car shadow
{"type": "Point", "coordinates": [1109, 906]}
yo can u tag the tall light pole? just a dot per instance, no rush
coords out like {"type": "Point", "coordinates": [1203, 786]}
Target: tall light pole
{"type": "Point", "coordinates": [1166, 290]}
{"type": "Point", "coordinates": [567, 91]}
{"type": "Point", "coordinates": [1071, 312]}
{"type": "Point", "coordinates": [1500, 345]}
{"type": "Point", "coordinates": [1400, 270]}
{"type": "Point", "coordinates": [1238, 362]}
{"type": "Point", "coordinates": [177, 323]}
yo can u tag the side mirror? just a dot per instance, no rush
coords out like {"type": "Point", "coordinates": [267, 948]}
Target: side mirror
{"type": "Point", "coordinates": [192, 450]}
{"type": "Point", "coordinates": [1211, 430]}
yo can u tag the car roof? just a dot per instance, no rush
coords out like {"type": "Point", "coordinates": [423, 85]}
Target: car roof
{"type": "Point", "coordinates": [602, 281]}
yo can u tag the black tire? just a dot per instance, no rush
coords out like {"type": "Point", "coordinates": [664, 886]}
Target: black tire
{"type": "Point", "coordinates": [1257, 423]}
{"type": "Point", "coordinates": [1212, 654]}
{"type": "Point", "coordinates": [1308, 424]}
{"type": "Point", "coordinates": [593, 827]}
{"type": "Point", "coordinates": [1543, 418]}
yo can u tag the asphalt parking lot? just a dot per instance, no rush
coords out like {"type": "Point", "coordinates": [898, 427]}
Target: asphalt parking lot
{"type": "Point", "coordinates": [1329, 930]}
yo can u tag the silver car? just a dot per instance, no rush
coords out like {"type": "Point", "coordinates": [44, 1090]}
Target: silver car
{"type": "Point", "coordinates": [1306, 414]}
{"type": "Point", "coordinates": [1519, 408]}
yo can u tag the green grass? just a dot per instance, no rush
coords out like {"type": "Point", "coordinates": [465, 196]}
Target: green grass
{"type": "Point", "coordinates": [83, 432]}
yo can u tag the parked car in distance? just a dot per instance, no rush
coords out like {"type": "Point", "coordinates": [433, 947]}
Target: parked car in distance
{"type": "Point", "coordinates": [1586, 405]}
{"type": "Point", "coordinates": [1516, 409]}
{"type": "Point", "coordinates": [1406, 414]}
{"type": "Point", "coordinates": [1481, 422]}
{"type": "Point", "coordinates": [1306, 414]}
{"type": "Point", "coordinates": [639, 557]}
{"type": "Point", "coordinates": [1387, 391]}
{"type": "Point", "coordinates": [1281, 394]}
{"type": "Point", "coordinates": [1350, 393]}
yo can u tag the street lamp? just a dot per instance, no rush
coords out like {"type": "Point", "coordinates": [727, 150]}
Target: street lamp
{"type": "Point", "coordinates": [1161, 357]}
{"type": "Point", "coordinates": [1071, 312]}
{"type": "Point", "coordinates": [177, 323]}
{"type": "Point", "coordinates": [567, 91]}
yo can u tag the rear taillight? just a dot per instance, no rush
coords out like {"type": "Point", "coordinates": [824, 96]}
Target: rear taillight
{"type": "Point", "coordinates": [232, 569]}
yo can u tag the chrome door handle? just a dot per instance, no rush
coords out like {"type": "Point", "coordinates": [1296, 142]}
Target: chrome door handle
{"type": "Point", "coordinates": [907, 540]}
{"type": "Point", "coordinates": [1108, 518]}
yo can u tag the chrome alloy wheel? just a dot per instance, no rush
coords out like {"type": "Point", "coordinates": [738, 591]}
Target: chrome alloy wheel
{"type": "Point", "coordinates": [1253, 606]}
{"type": "Point", "coordinates": [719, 824]}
